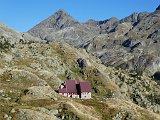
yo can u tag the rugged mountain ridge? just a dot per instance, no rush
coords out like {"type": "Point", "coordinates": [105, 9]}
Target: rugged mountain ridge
{"type": "Point", "coordinates": [135, 37]}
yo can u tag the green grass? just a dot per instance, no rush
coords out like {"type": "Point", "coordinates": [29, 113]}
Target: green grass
{"type": "Point", "coordinates": [76, 72]}
{"type": "Point", "coordinates": [62, 77]}
{"type": "Point", "coordinates": [106, 112]}
{"type": "Point", "coordinates": [26, 61]}
{"type": "Point", "coordinates": [38, 103]}
{"type": "Point", "coordinates": [6, 108]}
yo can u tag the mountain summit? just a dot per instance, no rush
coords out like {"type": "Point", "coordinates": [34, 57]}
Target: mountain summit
{"type": "Point", "coordinates": [57, 21]}
{"type": "Point", "coordinates": [158, 9]}
{"type": "Point", "coordinates": [62, 26]}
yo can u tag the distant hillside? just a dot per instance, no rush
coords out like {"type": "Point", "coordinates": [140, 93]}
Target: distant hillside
{"type": "Point", "coordinates": [14, 36]}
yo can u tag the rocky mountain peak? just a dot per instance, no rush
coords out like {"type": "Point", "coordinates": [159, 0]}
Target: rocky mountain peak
{"type": "Point", "coordinates": [92, 22]}
{"type": "Point", "coordinates": [61, 14]}
{"type": "Point", "coordinates": [61, 19]}
{"type": "Point", "coordinates": [62, 11]}
{"type": "Point", "coordinates": [104, 23]}
{"type": "Point", "coordinates": [158, 9]}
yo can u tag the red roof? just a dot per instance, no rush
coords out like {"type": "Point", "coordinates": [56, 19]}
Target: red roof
{"type": "Point", "coordinates": [85, 87]}
{"type": "Point", "coordinates": [62, 90]}
{"type": "Point", "coordinates": [71, 87]}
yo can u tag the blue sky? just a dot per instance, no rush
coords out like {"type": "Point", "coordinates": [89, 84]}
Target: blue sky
{"type": "Point", "coordinates": [22, 15]}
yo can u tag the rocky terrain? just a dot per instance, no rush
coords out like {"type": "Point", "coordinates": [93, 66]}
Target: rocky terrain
{"type": "Point", "coordinates": [130, 43]}
{"type": "Point", "coordinates": [120, 58]}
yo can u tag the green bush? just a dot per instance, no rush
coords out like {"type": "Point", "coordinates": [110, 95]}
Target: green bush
{"type": "Point", "coordinates": [5, 45]}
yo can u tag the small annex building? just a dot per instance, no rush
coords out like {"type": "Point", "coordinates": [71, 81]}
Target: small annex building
{"type": "Point", "coordinates": [75, 89]}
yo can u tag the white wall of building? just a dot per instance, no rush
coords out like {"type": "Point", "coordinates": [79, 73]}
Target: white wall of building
{"type": "Point", "coordinates": [86, 95]}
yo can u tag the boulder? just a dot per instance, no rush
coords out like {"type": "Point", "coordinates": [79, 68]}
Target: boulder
{"type": "Point", "coordinates": [81, 63]}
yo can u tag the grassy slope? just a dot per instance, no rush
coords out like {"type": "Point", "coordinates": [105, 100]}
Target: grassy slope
{"type": "Point", "coordinates": [32, 64]}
